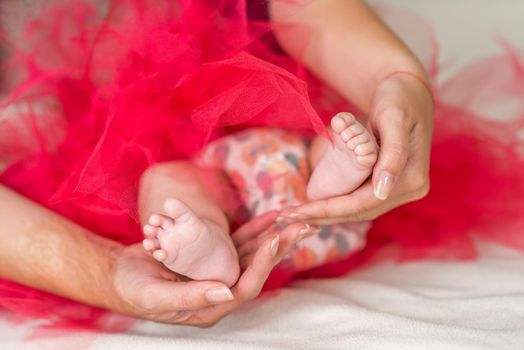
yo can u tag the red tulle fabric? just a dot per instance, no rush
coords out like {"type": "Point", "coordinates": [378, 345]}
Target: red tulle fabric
{"type": "Point", "coordinates": [100, 92]}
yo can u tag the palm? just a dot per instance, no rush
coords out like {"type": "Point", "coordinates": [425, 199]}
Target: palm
{"type": "Point", "coordinates": [137, 277]}
{"type": "Point", "coordinates": [146, 289]}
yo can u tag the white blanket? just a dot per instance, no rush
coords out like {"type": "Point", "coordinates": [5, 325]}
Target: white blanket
{"type": "Point", "coordinates": [429, 305]}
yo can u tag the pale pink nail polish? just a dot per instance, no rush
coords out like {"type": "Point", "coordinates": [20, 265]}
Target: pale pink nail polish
{"type": "Point", "coordinates": [219, 295]}
{"type": "Point", "coordinates": [384, 185]}
{"type": "Point", "coordinates": [274, 245]}
{"type": "Point", "coordinates": [303, 232]}
{"type": "Point", "coordinates": [298, 216]}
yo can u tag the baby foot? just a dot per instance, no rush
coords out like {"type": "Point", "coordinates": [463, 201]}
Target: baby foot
{"type": "Point", "coordinates": [345, 166]}
{"type": "Point", "coordinates": [190, 246]}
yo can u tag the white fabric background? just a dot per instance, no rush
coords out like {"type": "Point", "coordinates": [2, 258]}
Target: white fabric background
{"type": "Point", "coordinates": [429, 305]}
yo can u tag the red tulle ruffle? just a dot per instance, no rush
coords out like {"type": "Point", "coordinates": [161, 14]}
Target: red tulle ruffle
{"type": "Point", "coordinates": [99, 93]}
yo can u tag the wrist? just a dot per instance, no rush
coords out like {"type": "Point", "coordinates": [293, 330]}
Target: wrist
{"type": "Point", "coordinates": [402, 67]}
{"type": "Point", "coordinates": [107, 296]}
{"type": "Point", "coordinates": [410, 80]}
{"type": "Point", "coordinates": [404, 74]}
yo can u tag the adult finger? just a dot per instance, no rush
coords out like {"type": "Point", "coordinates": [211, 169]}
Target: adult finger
{"type": "Point", "coordinates": [289, 236]}
{"type": "Point", "coordinates": [254, 227]}
{"type": "Point", "coordinates": [252, 280]}
{"type": "Point", "coordinates": [353, 205]}
{"type": "Point", "coordinates": [163, 296]}
{"type": "Point", "coordinates": [393, 128]}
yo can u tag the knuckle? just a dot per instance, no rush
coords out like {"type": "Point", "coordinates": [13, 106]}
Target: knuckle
{"type": "Point", "coordinates": [181, 317]}
{"type": "Point", "coordinates": [419, 181]}
{"type": "Point", "coordinates": [184, 302]}
{"type": "Point", "coordinates": [423, 191]}
{"type": "Point", "coordinates": [398, 150]}
{"type": "Point", "coordinates": [396, 114]}
{"type": "Point", "coordinates": [419, 185]}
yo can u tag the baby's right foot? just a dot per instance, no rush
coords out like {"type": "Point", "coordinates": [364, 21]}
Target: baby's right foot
{"type": "Point", "coordinates": [190, 246]}
{"type": "Point", "coordinates": [347, 163]}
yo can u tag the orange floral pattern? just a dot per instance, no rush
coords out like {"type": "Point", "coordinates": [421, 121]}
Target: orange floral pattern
{"type": "Point", "coordinates": [269, 168]}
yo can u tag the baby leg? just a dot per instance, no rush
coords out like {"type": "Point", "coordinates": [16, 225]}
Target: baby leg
{"type": "Point", "coordinates": [269, 168]}
{"type": "Point", "coordinates": [184, 224]}
{"type": "Point", "coordinates": [340, 168]}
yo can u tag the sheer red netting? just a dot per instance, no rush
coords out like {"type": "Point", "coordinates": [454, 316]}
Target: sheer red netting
{"type": "Point", "coordinates": [98, 91]}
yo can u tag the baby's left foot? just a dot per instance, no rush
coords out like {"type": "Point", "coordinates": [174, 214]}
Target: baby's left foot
{"type": "Point", "coordinates": [191, 246]}
{"type": "Point", "coordinates": [347, 163]}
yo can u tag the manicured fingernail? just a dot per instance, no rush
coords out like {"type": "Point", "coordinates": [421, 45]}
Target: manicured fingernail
{"type": "Point", "coordinates": [384, 185]}
{"type": "Point", "coordinates": [274, 245]}
{"type": "Point", "coordinates": [303, 232]}
{"type": "Point", "coordinates": [219, 295]}
{"type": "Point", "coordinates": [298, 216]}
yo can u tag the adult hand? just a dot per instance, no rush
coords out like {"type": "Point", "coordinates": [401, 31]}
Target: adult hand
{"type": "Point", "coordinates": [145, 289]}
{"type": "Point", "coordinates": [401, 119]}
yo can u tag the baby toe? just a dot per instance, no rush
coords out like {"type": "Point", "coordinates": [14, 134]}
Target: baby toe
{"type": "Point", "coordinates": [357, 140]}
{"type": "Point", "coordinates": [150, 231]}
{"type": "Point", "coordinates": [364, 149]}
{"type": "Point", "coordinates": [352, 131]}
{"type": "Point", "coordinates": [160, 255]}
{"type": "Point", "coordinates": [176, 208]}
{"type": "Point", "coordinates": [149, 244]}
{"type": "Point", "coordinates": [368, 160]}
{"type": "Point", "coordinates": [158, 220]}
{"type": "Point", "coordinates": [341, 121]}
{"type": "Point", "coordinates": [155, 220]}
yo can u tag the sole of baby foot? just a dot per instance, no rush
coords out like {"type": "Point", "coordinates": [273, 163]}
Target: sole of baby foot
{"type": "Point", "coordinates": [347, 163]}
{"type": "Point", "coordinates": [190, 246]}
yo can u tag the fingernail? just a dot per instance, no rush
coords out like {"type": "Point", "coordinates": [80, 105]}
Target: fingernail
{"type": "Point", "coordinates": [315, 231]}
{"type": "Point", "coordinates": [219, 295]}
{"type": "Point", "coordinates": [303, 232]}
{"type": "Point", "coordinates": [274, 245]}
{"type": "Point", "coordinates": [384, 185]}
{"type": "Point", "coordinates": [298, 216]}
{"type": "Point", "coordinates": [279, 219]}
